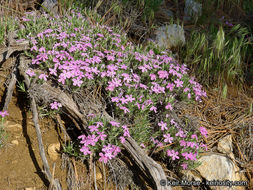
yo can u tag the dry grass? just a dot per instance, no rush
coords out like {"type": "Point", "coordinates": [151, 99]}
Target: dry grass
{"type": "Point", "coordinates": [223, 117]}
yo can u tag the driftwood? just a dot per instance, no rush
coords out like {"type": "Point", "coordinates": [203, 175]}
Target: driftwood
{"type": "Point", "coordinates": [49, 176]}
{"type": "Point", "coordinates": [6, 52]}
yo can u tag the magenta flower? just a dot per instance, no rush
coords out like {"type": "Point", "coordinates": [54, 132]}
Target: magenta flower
{"type": "Point", "coordinates": [168, 106]}
{"type": "Point", "coordinates": [101, 135]}
{"type": "Point", "coordinates": [103, 158]}
{"type": "Point", "coordinates": [163, 125]}
{"type": "Point", "coordinates": [184, 166]}
{"type": "Point", "coordinates": [114, 123]}
{"type": "Point", "coordinates": [170, 86]}
{"type": "Point", "coordinates": [4, 113]}
{"type": "Point", "coordinates": [122, 139]}
{"type": "Point", "coordinates": [85, 150]}
{"type": "Point", "coordinates": [181, 134]}
{"type": "Point", "coordinates": [173, 154]}
{"type": "Point", "coordinates": [93, 128]}
{"type": "Point", "coordinates": [55, 105]}
{"type": "Point", "coordinates": [152, 76]}
{"type": "Point", "coordinates": [30, 72]}
{"type": "Point", "coordinates": [203, 131]}
{"type": "Point", "coordinates": [179, 83]}
{"type": "Point", "coordinates": [153, 108]}
{"type": "Point", "coordinates": [43, 76]}
{"type": "Point", "coordinates": [168, 138]}
{"type": "Point", "coordinates": [163, 74]}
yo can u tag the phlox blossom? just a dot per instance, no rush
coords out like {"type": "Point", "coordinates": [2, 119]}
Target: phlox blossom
{"type": "Point", "coordinates": [4, 113]}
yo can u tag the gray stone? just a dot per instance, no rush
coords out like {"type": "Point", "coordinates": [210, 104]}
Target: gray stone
{"type": "Point", "coordinates": [192, 10]}
{"type": "Point", "coordinates": [225, 145]}
{"type": "Point", "coordinates": [51, 6]}
{"type": "Point", "coordinates": [170, 36]}
{"type": "Point", "coordinates": [220, 168]}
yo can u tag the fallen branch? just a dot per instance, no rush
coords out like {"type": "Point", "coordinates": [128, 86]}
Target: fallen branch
{"type": "Point", "coordinates": [38, 132]}
{"type": "Point", "coordinates": [10, 88]}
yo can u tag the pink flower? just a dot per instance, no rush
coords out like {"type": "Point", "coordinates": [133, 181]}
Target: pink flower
{"type": "Point", "coordinates": [182, 143]}
{"type": "Point", "coordinates": [194, 136]}
{"type": "Point", "coordinates": [30, 72]}
{"type": "Point", "coordinates": [101, 135]}
{"type": "Point", "coordinates": [181, 134]}
{"type": "Point", "coordinates": [163, 125]}
{"type": "Point", "coordinates": [114, 123]}
{"type": "Point", "coordinates": [93, 128]}
{"type": "Point", "coordinates": [126, 133]}
{"type": "Point", "coordinates": [173, 154]}
{"type": "Point", "coordinates": [168, 138]}
{"type": "Point", "coordinates": [163, 74]}
{"type": "Point", "coordinates": [184, 166]}
{"type": "Point", "coordinates": [152, 76]}
{"type": "Point", "coordinates": [122, 139]}
{"type": "Point", "coordinates": [204, 146]}
{"type": "Point", "coordinates": [170, 86]}
{"type": "Point", "coordinates": [169, 106]}
{"type": "Point", "coordinates": [85, 150]}
{"type": "Point", "coordinates": [55, 105]}
{"type": "Point", "coordinates": [103, 158]}
{"type": "Point", "coordinates": [77, 82]}
{"type": "Point", "coordinates": [179, 83]}
{"type": "Point", "coordinates": [153, 108]}
{"type": "Point", "coordinates": [43, 76]}
{"type": "Point", "coordinates": [203, 131]}
{"type": "Point", "coordinates": [4, 113]}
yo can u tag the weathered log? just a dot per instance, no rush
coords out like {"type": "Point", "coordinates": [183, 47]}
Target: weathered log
{"type": "Point", "coordinates": [5, 53]}
{"type": "Point", "coordinates": [49, 176]}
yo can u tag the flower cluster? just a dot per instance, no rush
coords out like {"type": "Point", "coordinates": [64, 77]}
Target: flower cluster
{"type": "Point", "coordinates": [3, 113]}
{"type": "Point", "coordinates": [171, 135]}
{"type": "Point", "coordinates": [55, 105]}
{"type": "Point", "coordinates": [77, 53]}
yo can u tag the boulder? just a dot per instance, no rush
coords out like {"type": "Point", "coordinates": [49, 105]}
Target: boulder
{"type": "Point", "coordinates": [53, 151]}
{"type": "Point", "coordinates": [217, 168]}
{"type": "Point", "coordinates": [50, 6]}
{"type": "Point", "coordinates": [225, 146]}
{"type": "Point", "coordinates": [192, 10]}
{"type": "Point", "coordinates": [170, 36]}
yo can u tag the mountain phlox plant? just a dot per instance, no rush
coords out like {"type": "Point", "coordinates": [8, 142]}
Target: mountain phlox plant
{"type": "Point", "coordinates": [143, 84]}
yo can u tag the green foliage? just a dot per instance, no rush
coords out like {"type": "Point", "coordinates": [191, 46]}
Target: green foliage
{"type": "Point", "coordinates": [7, 24]}
{"type": "Point", "coordinates": [218, 58]}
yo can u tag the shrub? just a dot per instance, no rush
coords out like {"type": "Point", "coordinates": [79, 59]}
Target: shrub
{"type": "Point", "coordinates": [142, 85]}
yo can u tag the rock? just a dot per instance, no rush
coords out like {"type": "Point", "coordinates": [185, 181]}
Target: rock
{"type": "Point", "coordinates": [170, 36]}
{"type": "Point", "coordinates": [15, 142]}
{"type": "Point", "coordinates": [225, 146]}
{"type": "Point", "coordinates": [53, 151]}
{"type": "Point", "coordinates": [12, 126]}
{"type": "Point", "coordinates": [50, 6]}
{"type": "Point", "coordinates": [192, 10]}
{"type": "Point", "coordinates": [218, 167]}
{"type": "Point", "coordinates": [30, 188]}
